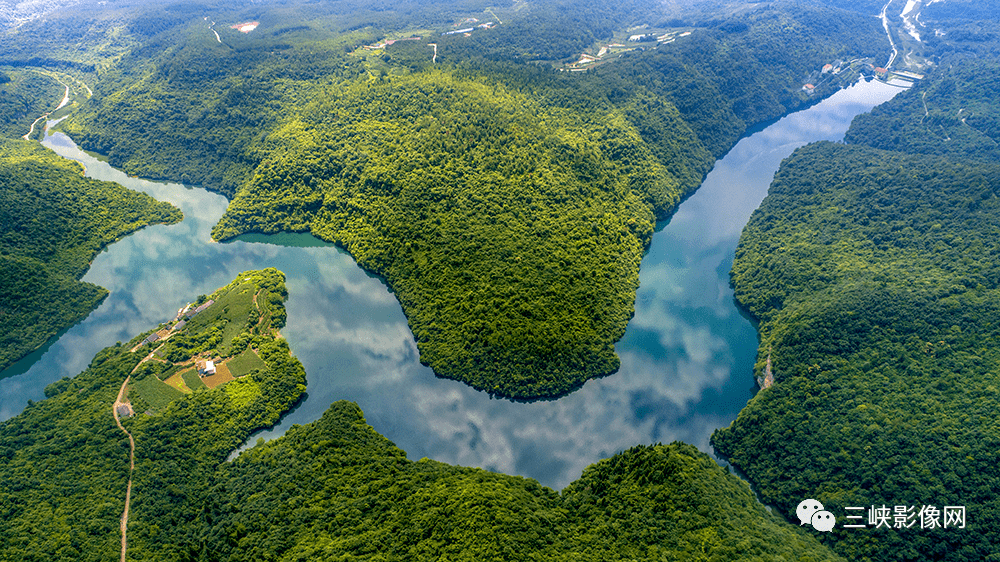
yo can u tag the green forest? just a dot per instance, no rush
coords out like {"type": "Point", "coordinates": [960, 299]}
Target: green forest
{"type": "Point", "coordinates": [507, 205]}
{"type": "Point", "coordinates": [64, 465]}
{"type": "Point", "coordinates": [873, 269]}
{"type": "Point", "coordinates": [53, 221]}
{"type": "Point", "coordinates": [24, 96]}
{"type": "Point", "coordinates": [511, 234]}
{"type": "Point", "coordinates": [507, 202]}
{"type": "Point", "coordinates": [332, 489]}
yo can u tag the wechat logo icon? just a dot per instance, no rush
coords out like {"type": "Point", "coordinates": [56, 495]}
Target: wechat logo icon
{"type": "Point", "coordinates": [811, 511]}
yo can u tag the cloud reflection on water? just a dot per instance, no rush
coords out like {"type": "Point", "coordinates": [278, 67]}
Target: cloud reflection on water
{"type": "Point", "coordinates": [686, 357]}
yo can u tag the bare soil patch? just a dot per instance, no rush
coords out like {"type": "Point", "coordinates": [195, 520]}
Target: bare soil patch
{"type": "Point", "coordinates": [222, 375]}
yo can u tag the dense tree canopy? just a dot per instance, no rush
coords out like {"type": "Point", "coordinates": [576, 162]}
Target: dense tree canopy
{"type": "Point", "coordinates": [507, 205]}
{"type": "Point", "coordinates": [24, 97]}
{"type": "Point", "coordinates": [874, 273]}
{"type": "Point", "coordinates": [53, 221]}
{"type": "Point", "coordinates": [333, 489]}
{"type": "Point", "coordinates": [511, 233]}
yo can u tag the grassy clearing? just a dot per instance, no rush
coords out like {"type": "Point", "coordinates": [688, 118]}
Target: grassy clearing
{"type": "Point", "coordinates": [155, 392]}
{"type": "Point", "coordinates": [265, 313]}
{"type": "Point", "coordinates": [177, 381]}
{"type": "Point", "coordinates": [192, 380]}
{"type": "Point", "coordinates": [244, 363]}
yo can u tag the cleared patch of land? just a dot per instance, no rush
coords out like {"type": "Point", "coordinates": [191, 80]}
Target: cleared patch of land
{"type": "Point", "coordinates": [244, 363]}
{"type": "Point", "coordinates": [192, 379]}
{"type": "Point", "coordinates": [222, 375]}
{"type": "Point", "coordinates": [233, 307]}
{"type": "Point", "coordinates": [177, 381]}
{"type": "Point", "coordinates": [156, 393]}
{"type": "Point", "coordinates": [221, 324]}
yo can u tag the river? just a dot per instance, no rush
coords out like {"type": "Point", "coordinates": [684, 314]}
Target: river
{"type": "Point", "coordinates": [687, 355]}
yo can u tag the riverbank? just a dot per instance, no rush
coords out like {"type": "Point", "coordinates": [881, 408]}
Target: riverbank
{"type": "Point", "coordinates": [55, 223]}
{"type": "Point", "coordinates": [687, 355]}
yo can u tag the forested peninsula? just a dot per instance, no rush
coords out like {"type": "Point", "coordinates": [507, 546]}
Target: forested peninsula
{"type": "Point", "coordinates": [507, 205]}
{"type": "Point", "coordinates": [53, 221]}
{"type": "Point", "coordinates": [332, 489]}
{"type": "Point", "coordinates": [873, 269]}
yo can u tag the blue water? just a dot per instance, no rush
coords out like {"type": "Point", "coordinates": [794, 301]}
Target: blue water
{"type": "Point", "coordinates": [687, 355]}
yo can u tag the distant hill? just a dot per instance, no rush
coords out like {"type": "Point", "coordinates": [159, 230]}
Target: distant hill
{"type": "Point", "coordinates": [13, 14]}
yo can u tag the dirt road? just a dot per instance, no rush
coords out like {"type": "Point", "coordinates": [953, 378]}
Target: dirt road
{"type": "Point", "coordinates": [131, 459]}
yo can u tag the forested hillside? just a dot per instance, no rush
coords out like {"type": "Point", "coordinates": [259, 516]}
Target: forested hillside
{"type": "Point", "coordinates": [53, 221]}
{"type": "Point", "coordinates": [24, 97]}
{"type": "Point", "coordinates": [507, 205]}
{"type": "Point", "coordinates": [64, 465]}
{"type": "Point", "coordinates": [873, 268]}
{"type": "Point", "coordinates": [955, 114]}
{"type": "Point", "coordinates": [510, 232]}
{"type": "Point", "coordinates": [331, 489]}
{"type": "Point", "coordinates": [337, 489]}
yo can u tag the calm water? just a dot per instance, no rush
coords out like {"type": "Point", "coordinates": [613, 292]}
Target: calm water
{"type": "Point", "coordinates": [687, 356]}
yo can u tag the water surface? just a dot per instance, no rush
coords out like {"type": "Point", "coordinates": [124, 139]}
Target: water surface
{"type": "Point", "coordinates": [687, 355]}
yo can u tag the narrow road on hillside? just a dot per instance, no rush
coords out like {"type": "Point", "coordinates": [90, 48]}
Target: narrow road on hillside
{"type": "Point", "coordinates": [131, 459]}
{"type": "Point", "coordinates": [27, 136]}
{"type": "Point", "coordinates": [63, 103]}
{"type": "Point", "coordinates": [212, 27]}
{"type": "Point", "coordinates": [885, 25]}
{"type": "Point", "coordinates": [90, 92]}
{"type": "Point", "coordinates": [65, 100]}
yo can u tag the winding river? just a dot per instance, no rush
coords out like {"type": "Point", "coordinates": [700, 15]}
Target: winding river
{"type": "Point", "coordinates": [687, 355]}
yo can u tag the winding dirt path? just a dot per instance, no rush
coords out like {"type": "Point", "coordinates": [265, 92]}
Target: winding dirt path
{"type": "Point", "coordinates": [217, 38]}
{"type": "Point", "coordinates": [256, 305]}
{"type": "Point", "coordinates": [32, 129]}
{"type": "Point", "coordinates": [120, 401]}
{"type": "Point", "coordinates": [65, 99]}
{"type": "Point", "coordinates": [131, 459]}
